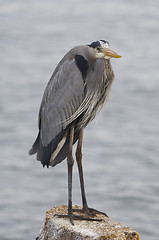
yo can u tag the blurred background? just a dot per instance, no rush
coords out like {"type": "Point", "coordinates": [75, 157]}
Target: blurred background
{"type": "Point", "coordinates": [120, 153]}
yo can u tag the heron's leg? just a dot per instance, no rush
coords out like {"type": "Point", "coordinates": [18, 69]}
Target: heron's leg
{"type": "Point", "coordinates": [80, 170]}
{"type": "Point", "coordinates": [86, 209]}
{"type": "Point", "coordinates": [70, 162]}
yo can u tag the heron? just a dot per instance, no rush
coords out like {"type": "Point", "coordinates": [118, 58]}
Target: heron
{"type": "Point", "coordinates": [76, 91]}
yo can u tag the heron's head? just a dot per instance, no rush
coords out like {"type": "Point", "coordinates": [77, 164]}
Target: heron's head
{"type": "Point", "coordinates": [102, 50]}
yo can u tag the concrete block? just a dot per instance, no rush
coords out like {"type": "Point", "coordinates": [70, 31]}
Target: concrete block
{"type": "Point", "coordinates": [55, 228]}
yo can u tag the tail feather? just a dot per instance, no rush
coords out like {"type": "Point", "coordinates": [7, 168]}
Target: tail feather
{"type": "Point", "coordinates": [44, 153]}
{"type": "Point", "coordinates": [35, 146]}
{"type": "Point", "coordinates": [63, 153]}
{"type": "Point", "coordinates": [56, 151]}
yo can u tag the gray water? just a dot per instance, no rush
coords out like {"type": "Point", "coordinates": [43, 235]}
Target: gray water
{"type": "Point", "coordinates": [121, 147]}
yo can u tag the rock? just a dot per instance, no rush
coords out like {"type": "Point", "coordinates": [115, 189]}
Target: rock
{"type": "Point", "coordinates": [55, 228]}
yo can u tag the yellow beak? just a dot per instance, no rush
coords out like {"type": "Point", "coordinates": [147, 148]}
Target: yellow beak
{"type": "Point", "coordinates": [109, 53]}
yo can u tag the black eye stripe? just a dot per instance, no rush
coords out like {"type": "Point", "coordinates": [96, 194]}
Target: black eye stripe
{"type": "Point", "coordinates": [95, 44]}
{"type": "Point", "coordinates": [98, 43]}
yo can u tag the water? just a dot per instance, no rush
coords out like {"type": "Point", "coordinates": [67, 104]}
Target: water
{"type": "Point", "coordinates": [121, 151]}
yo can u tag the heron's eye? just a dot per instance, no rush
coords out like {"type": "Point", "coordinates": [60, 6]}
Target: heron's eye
{"type": "Point", "coordinates": [98, 49]}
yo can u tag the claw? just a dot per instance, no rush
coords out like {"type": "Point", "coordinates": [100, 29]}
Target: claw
{"type": "Point", "coordinates": [90, 211]}
{"type": "Point", "coordinates": [84, 211]}
{"type": "Point", "coordinates": [77, 217]}
{"type": "Point", "coordinates": [71, 220]}
{"type": "Point", "coordinates": [96, 211]}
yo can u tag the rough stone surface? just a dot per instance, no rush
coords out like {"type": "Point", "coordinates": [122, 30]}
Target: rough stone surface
{"type": "Point", "coordinates": [55, 228]}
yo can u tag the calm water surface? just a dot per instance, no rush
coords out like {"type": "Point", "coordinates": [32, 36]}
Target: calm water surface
{"type": "Point", "coordinates": [121, 153]}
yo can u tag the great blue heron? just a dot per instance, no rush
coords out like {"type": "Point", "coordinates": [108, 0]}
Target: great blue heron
{"type": "Point", "coordinates": [79, 85]}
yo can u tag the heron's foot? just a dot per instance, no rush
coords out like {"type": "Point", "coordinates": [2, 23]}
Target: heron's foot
{"type": "Point", "coordinates": [90, 211]}
{"type": "Point", "coordinates": [78, 217]}
{"type": "Point", "coordinates": [84, 211]}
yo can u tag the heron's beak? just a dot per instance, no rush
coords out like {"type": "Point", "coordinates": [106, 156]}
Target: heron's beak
{"type": "Point", "coordinates": [110, 54]}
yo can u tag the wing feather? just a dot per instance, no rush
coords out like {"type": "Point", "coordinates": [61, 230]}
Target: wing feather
{"type": "Point", "coordinates": [62, 97]}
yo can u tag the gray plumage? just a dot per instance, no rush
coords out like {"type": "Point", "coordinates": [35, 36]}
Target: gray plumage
{"type": "Point", "coordinates": [79, 85]}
